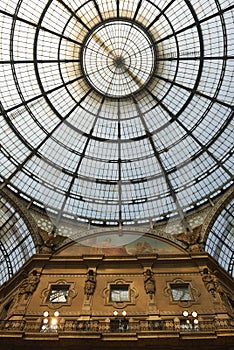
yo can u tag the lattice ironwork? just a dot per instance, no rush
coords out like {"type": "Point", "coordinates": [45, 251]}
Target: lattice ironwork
{"type": "Point", "coordinates": [220, 242]}
{"type": "Point", "coordinates": [116, 112]}
{"type": "Point", "coordinates": [16, 242]}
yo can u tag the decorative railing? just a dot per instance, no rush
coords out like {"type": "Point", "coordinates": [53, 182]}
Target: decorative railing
{"type": "Point", "coordinates": [115, 326]}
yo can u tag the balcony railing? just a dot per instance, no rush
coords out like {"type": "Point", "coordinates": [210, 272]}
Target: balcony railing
{"type": "Point", "coordinates": [114, 326]}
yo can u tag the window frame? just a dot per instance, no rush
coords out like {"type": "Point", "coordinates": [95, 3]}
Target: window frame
{"type": "Point", "coordinates": [58, 288]}
{"type": "Point", "coordinates": [180, 285]}
{"type": "Point", "coordinates": [132, 293]}
{"type": "Point", "coordinates": [118, 288]}
{"type": "Point", "coordinates": [60, 284]}
{"type": "Point", "coordinates": [193, 291]}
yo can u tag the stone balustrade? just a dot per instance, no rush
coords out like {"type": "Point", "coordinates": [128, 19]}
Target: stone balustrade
{"type": "Point", "coordinates": [115, 326]}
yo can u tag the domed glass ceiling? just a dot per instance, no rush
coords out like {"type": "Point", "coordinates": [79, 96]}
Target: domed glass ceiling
{"type": "Point", "coordinates": [221, 239]}
{"type": "Point", "coordinates": [16, 243]}
{"type": "Point", "coordinates": [116, 111]}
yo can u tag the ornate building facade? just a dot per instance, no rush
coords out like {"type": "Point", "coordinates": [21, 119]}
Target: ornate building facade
{"type": "Point", "coordinates": [116, 174]}
{"type": "Point", "coordinates": [94, 292]}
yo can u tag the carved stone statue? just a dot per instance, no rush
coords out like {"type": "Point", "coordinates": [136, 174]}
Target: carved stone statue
{"type": "Point", "coordinates": [215, 288]}
{"type": "Point", "coordinates": [192, 239]}
{"type": "Point", "coordinates": [226, 296]}
{"type": "Point", "coordinates": [149, 282]}
{"type": "Point", "coordinates": [28, 286]}
{"type": "Point", "coordinates": [90, 283]}
{"type": "Point", "coordinates": [25, 290]}
{"type": "Point", "coordinates": [209, 281]}
{"type": "Point", "coordinates": [49, 241]}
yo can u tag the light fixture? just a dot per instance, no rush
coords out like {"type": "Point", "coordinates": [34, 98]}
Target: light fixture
{"type": "Point", "coordinates": [124, 313]}
{"type": "Point", "coordinates": [115, 313]}
{"type": "Point", "coordinates": [50, 324]}
{"type": "Point", "coordinates": [191, 322]}
{"type": "Point", "coordinates": [54, 321]}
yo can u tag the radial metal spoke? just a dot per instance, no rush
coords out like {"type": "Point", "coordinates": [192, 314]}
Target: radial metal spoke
{"type": "Point", "coordinates": [110, 86]}
{"type": "Point", "coordinates": [98, 10]}
{"type": "Point", "coordinates": [189, 132]}
{"type": "Point", "coordinates": [157, 157]}
{"type": "Point", "coordinates": [76, 172]}
{"type": "Point", "coordinates": [190, 26]}
{"type": "Point", "coordinates": [73, 14]}
{"type": "Point", "coordinates": [45, 29]}
{"type": "Point", "coordinates": [196, 92]}
{"type": "Point", "coordinates": [160, 14]}
{"type": "Point", "coordinates": [48, 136]}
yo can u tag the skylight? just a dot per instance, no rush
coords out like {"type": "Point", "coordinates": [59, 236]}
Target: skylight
{"type": "Point", "coordinates": [116, 111]}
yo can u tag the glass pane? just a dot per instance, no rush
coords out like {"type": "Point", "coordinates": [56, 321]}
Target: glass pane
{"type": "Point", "coordinates": [181, 292]}
{"type": "Point", "coordinates": [119, 293]}
{"type": "Point", "coordinates": [58, 294]}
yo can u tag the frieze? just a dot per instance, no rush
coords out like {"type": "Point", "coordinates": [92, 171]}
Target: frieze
{"type": "Point", "coordinates": [171, 274]}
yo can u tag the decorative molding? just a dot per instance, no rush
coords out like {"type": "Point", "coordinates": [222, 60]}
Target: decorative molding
{"type": "Point", "coordinates": [192, 239]}
{"type": "Point", "coordinates": [49, 242]}
{"type": "Point", "coordinates": [133, 294]}
{"type": "Point", "coordinates": [183, 303]}
{"type": "Point", "coordinates": [24, 293]}
{"type": "Point", "coordinates": [168, 236]}
{"type": "Point", "coordinates": [71, 294]}
{"type": "Point", "coordinates": [149, 282]}
{"type": "Point", "coordinates": [64, 276]}
{"type": "Point", "coordinates": [173, 274]}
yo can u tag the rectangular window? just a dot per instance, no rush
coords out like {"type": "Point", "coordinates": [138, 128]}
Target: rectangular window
{"type": "Point", "coordinates": [119, 293]}
{"type": "Point", "coordinates": [181, 292]}
{"type": "Point", "coordinates": [58, 294]}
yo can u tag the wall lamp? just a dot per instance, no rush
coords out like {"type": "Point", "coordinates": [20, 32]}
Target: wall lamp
{"type": "Point", "coordinates": [124, 313]}
{"type": "Point", "coordinates": [192, 322]}
{"type": "Point", "coordinates": [50, 323]}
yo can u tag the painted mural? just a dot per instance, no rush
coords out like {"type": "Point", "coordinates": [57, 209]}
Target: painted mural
{"type": "Point", "coordinates": [109, 245]}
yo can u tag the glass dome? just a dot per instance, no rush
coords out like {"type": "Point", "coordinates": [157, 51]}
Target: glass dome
{"type": "Point", "coordinates": [221, 238]}
{"type": "Point", "coordinates": [16, 242]}
{"type": "Point", "coordinates": [116, 111]}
